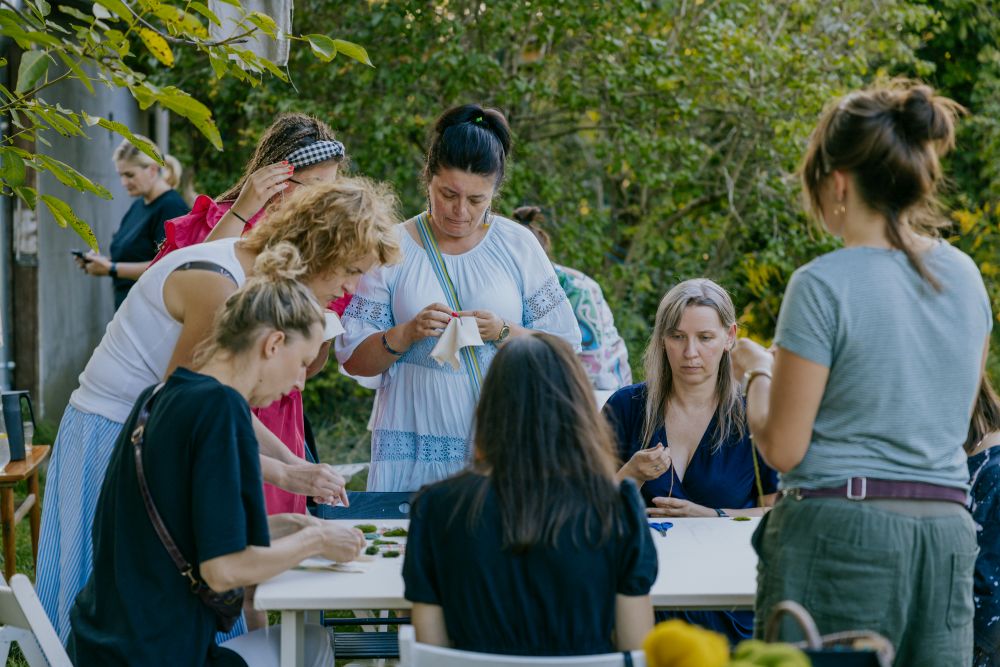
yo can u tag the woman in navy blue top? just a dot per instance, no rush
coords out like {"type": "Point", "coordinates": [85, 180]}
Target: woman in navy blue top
{"type": "Point", "coordinates": [141, 231]}
{"type": "Point", "coordinates": [682, 434]}
{"type": "Point", "coordinates": [983, 448]}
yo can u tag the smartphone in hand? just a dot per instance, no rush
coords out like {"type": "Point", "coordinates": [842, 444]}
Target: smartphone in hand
{"type": "Point", "coordinates": [79, 254]}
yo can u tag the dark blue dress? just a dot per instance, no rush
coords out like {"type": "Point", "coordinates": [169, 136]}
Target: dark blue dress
{"type": "Point", "coordinates": [984, 475]}
{"type": "Point", "coordinates": [721, 477]}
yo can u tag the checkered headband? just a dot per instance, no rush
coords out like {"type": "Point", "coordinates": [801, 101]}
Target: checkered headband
{"type": "Point", "coordinates": [316, 152]}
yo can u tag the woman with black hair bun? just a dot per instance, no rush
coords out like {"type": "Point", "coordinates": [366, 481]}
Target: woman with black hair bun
{"type": "Point", "coordinates": [460, 260]}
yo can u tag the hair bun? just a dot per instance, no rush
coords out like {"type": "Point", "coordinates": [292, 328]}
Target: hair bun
{"type": "Point", "coordinates": [527, 215]}
{"type": "Point", "coordinates": [279, 262]}
{"type": "Point", "coordinates": [923, 116]}
{"type": "Point", "coordinates": [489, 119]}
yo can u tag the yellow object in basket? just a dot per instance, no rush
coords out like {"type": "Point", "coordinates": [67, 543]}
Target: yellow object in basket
{"type": "Point", "coordinates": [675, 643]}
{"type": "Point", "coordinates": [755, 653]}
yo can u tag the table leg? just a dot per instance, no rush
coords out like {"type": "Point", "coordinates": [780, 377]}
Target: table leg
{"type": "Point", "coordinates": [7, 517]}
{"type": "Point", "coordinates": [292, 638]}
{"type": "Point", "coordinates": [35, 518]}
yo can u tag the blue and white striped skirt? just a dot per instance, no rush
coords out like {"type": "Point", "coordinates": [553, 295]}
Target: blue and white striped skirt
{"type": "Point", "coordinates": [76, 472]}
{"type": "Point", "coordinates": [80, 458]}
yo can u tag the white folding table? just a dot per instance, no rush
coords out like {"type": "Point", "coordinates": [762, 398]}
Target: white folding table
{"type": "Point", "coordinates": [703, 564]}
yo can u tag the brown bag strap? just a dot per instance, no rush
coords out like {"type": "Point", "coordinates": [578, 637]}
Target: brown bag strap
{"type": "Point", "coordinates": [138, 437]}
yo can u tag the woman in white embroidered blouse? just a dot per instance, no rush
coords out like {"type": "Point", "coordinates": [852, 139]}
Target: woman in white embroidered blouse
{"type": "Point", "coordinates": [423, 421]}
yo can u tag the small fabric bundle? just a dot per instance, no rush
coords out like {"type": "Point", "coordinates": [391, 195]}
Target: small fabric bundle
{"type": "Point", "coordinates": [314, 153]}
{"type": "Point", "coordinates": [460, 332]}
{"type": "Point", "coordinates": [332, 328]}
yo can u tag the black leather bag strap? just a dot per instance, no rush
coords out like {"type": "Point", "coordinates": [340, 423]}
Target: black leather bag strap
{"type": "Point", "coordinates": [138, 438]}
{"type": "Point", "coordinates": [202, 265]}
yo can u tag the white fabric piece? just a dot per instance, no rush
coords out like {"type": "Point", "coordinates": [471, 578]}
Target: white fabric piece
{"type": "Point", "coordinates": [262, 648]}
{"type": "Point", "coordinates": [333, 327]}
{"type": "Point", "coordinates": [275, 50]}
{"type": "Point", "coordinates": [460, 332]}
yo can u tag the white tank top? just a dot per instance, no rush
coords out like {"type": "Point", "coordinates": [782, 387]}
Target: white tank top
{"type": "Point", "coordinates": [139, 341]}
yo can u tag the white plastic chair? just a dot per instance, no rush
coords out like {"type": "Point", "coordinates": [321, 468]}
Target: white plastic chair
{"type": "Point", "coordinates": [414, 654]}
{"type": "Point", "coordinates": [24, 621]}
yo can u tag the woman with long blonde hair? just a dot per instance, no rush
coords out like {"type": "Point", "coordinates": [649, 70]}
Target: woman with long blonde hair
{"type": "Point", "coordinates": [682, 433]}
{"type": "Point", "coordinates": [142, 228]}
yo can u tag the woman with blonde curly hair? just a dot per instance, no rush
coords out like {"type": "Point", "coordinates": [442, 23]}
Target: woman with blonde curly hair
{"type": "Point", "coordinates": [341, 229]}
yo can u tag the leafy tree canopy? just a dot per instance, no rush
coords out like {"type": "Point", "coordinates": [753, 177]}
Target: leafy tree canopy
{"type": "Point", "coordinates": [118, 43]}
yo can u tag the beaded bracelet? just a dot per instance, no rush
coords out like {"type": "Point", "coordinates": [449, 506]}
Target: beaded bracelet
{"type": "Point", "coordinates": [388, 348]}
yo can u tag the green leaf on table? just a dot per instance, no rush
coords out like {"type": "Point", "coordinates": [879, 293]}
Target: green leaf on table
{"type": "Point", "coordinates": [64, 215]}
{"type": "Point", "coordinates": [34, 65]}
{"type": "Point", "coordinates": [324, 47]}
{"type": "Point", "coordinates": [352, 50]}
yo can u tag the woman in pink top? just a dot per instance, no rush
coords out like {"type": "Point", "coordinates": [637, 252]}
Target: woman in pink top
{"type": "Point", "coordinates": [295, 150]}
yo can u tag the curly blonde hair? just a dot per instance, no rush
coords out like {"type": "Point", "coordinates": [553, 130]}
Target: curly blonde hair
{"type": "Point", "coordinates": [332, 224]}
{"type": "Point", "coordinates": [272, 300]}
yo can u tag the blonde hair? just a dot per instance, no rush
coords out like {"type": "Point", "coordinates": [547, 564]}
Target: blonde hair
{"type": "Point", "coordinates": [170, 171]}
{"type": "Point", "coordinates": [333, 223]}
{"type": "Point", "coordinates": [272, 300]}
{"type": "Point", "coordinates": [890, 138]}
{"type": "Point", "coordinates": [729, 415]}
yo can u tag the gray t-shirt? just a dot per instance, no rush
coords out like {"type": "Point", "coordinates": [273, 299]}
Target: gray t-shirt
{"type": "Point", "coordinates": [904, 363]}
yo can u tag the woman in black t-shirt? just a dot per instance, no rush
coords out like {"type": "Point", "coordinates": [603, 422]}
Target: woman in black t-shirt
{"type": "Point", "coordinates": [201, 464]}
{"type": "Point", "coordinates": [141, 231]}
{"type": "Point", "coordinates": [535, 550]}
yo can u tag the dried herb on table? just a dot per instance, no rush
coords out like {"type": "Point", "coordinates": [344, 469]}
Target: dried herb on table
{"type": "Point", "coordinates": [372, 550]}
{"type": "Point", "coordinates": [367, 527]}
{"type": "Point", "coordinates": [395, 532]}
{"type": "Point", "coordinates": [390, 554]}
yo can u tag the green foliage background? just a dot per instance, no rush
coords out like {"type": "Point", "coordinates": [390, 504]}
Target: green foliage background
{"type": "Point", "coordinates": [661, 137]}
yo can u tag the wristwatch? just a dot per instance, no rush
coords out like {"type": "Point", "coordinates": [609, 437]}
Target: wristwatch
{"type": "Point", "coordinates": [504, 332]}
{"type": "Point", "coordinates": [113, 270]}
